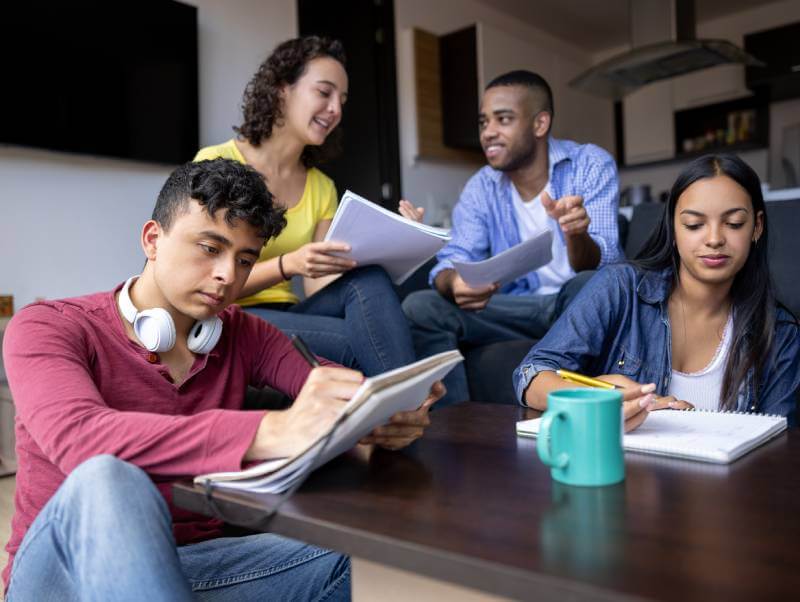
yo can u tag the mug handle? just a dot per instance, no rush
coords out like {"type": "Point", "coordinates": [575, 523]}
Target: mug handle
{"type": "Point", "coordinates": [544, 440]}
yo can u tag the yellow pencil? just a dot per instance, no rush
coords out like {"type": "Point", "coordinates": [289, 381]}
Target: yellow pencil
{"type": "Point", "coordinates": [580, 379]}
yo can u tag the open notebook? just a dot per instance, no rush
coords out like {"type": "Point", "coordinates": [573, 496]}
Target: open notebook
{"type": "Point", "coordinates": [719, 437]}
{"type": "Point", "coordinates": [378, 398]}
{"type": "Point", "coordinates": [380, 237]}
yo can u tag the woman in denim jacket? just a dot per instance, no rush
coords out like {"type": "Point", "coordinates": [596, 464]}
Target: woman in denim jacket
{"type": "Point", "coordinates": [693, 321]}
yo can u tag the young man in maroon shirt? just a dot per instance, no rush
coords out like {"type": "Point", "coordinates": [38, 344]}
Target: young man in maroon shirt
{"type": "Point", "coordinates": [105, 425]}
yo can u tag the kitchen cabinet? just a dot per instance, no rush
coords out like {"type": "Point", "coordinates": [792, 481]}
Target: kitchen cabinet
{"type": "Point", "coordinates": [649, 123]}
{"type": "Point", "coordinates": [709, 86]}
{"type": "Point", "coordinates": [779, 50]}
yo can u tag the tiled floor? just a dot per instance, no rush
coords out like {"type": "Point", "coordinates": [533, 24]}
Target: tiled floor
{"type": "Point", "coordinates": [6, 510]}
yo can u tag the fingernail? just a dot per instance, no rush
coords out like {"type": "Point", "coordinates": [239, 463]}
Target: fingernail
{"type": "Point", "coordinates": [645, 401]}
{"type": "Point", "coordinates": [649, 388]}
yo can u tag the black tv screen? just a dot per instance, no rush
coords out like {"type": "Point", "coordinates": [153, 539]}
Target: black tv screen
{"type": "Point", "coordinates": [107, 78]}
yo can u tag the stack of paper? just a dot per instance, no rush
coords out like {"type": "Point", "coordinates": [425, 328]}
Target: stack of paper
{"type": "Point", "coordinates": [379, 237]}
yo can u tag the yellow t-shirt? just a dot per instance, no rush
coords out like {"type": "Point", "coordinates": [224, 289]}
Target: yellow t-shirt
{"type": "Point", "coordinates": [317, 203]}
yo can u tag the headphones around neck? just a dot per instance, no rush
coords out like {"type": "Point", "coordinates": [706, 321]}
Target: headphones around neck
{"type": "Point", "coordinates": [155, 328]}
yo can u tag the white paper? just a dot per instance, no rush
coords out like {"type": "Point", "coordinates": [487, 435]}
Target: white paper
{"type": "Point", "coordinates": [366, 411]}
{"type": "Point", "coordinates": [379, 237]}
{"type": "Point", "coordinates": [509, 265]}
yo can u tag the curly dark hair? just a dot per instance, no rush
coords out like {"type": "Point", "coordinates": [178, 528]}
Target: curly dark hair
{"type": "Point", "coordinates": [220, 184]}
{"type": "Point", "coordinates": [261, 104]}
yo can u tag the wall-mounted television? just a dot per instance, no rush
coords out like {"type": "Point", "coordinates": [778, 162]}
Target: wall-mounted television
{"type": "Point", "coordinates": [115, 79]}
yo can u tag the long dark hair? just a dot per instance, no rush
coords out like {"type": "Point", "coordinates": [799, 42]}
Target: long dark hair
{"type": "Point", "coordinates": [262, 107]}
{"type": "Point", "coordinates": [752, 293]}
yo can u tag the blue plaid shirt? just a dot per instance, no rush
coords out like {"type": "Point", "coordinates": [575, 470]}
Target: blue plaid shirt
{"type": "Point", "coordinates": [484, 223]}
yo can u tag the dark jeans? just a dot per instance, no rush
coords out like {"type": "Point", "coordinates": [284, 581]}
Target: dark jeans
{"type": "Point", "coordinates": [355, 321]}
{"type": "Point", "coordinates": [438, 324]}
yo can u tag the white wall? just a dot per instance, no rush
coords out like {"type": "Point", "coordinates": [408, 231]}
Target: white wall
{"type": "Point", "coordinates": [70, 224]}
{"type": "Point", "coordinates": [509, 44]}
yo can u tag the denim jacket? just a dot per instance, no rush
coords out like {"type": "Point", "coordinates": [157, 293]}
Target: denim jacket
{"type": "Point", "coordinates": [619, 324]}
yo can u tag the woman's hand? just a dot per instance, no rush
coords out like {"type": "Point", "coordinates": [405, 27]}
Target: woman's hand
{"type": "Point", "coordinates": [409, 211]}
{"type": "Point", "coordinates": [316, 259]}
{"type": "Point", "coordinates": [638, 399]}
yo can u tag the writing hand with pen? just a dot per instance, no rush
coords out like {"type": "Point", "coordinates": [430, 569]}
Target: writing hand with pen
{"type": "Point", "coordinates": [319, 404]}
{"type": "Point", "coordinates": [638, 399]}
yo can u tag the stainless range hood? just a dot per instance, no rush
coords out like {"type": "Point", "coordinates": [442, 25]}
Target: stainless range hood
{"type": "Point", "coordinates": [664, 46]}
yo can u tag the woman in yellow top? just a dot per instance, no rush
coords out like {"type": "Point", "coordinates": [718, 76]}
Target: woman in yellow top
{"type": "Point", "coordinates": [291, 108]}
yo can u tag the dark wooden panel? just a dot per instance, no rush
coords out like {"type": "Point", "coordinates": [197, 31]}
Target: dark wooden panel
{"type": "Point", "coordinates": [458, 60]}
{"type": "Point", "coordinates": [471, 503]}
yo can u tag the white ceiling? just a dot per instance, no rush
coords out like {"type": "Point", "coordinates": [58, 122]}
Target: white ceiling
{"type": "Point", "coordinates": [599, 25]}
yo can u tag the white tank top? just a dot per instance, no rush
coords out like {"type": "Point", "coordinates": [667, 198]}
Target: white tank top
{"type": "Point", "coordinates": [703, 388]}
{"type": "Point", "coordinates": [532, 220]}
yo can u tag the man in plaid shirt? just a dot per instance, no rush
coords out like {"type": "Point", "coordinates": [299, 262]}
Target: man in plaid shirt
{"type": "Point", "coordinates": [532, 182]}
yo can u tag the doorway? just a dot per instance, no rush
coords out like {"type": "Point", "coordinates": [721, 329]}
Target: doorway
{"type": "Point", "coordinates": [370, 162]}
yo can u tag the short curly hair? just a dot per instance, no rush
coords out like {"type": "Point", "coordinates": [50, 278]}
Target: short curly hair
{"type": "Point", "coordinates": [261, 103]}
{"type": "Point", "coordinates": [220, 184]}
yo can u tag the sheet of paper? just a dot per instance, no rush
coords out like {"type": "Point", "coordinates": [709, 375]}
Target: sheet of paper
{"type": "Point", "coordinates": [509, 265]}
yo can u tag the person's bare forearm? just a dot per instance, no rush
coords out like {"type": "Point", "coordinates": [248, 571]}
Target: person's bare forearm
{"type": "Point", "coordinates": [312, 285]}
{"type": "Point", "coordinates": [444, 283]}
{"type": "Point", "coordinates": [543, 383]}
{"type": "Point", "coordinates": [583, 252]}
{"type": "Point", "coordinates": [264, 274]}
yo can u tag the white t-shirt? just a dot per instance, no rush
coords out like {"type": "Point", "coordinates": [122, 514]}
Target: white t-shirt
{"type": "Point", "coordinates": [532, 219]}
{"type": "Point", "coordinates": [703, 388]}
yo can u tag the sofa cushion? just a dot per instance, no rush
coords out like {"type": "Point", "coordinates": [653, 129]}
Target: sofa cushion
{"type": "Point", "coordinates": [489, 369]}
{"type": "Point", "coordinates": [783, 221]}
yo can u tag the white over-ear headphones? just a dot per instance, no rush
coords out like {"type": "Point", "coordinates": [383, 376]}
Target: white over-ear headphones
{"type": "Point", "coordinates": [156, 329]}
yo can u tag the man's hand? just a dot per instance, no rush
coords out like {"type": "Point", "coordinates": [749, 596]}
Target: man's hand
{"type": "Point", "coordinates": [405, 427]}
{"type": "Point", "coordinates": [287, 432]}
{"type": "Point", "coordinates": [569, 212]}
{"type": "Point", "coordinates": [450, 285]}
{"type": "Point", "coordinates": [639, 399]}
{"type": "Point", "coordinates": [409, 211]}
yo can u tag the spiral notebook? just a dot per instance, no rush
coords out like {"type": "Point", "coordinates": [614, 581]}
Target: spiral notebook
{"type": "Point", "coordinates": [719, 437]}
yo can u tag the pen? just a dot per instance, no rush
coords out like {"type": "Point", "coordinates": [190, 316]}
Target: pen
{"type": "Point", "coordinates": [580, 379]}
{"type": "Point", "coordinates": [300, 345]}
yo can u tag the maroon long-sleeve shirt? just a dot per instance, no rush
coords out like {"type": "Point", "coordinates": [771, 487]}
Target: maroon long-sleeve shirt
{"type": "Point", "coordinates": [81, 388]}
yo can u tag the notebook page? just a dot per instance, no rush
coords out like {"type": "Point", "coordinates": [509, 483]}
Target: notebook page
{"type": "Point", "coordinates": [706, 436]}
{"type": "Point", "coordinates": [711, 436]}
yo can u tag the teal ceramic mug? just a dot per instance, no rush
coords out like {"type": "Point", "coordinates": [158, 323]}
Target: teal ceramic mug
{"type": "Point", "coordinates": [580, 437]}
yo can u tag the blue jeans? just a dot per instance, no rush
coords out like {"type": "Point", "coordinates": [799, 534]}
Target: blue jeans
{"type": "Point", "coordinates": [106, 534]}
{"type": "Point", "coordinates": [439, 325]}
{"type": "Point", "coordinates": [355, 321]}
